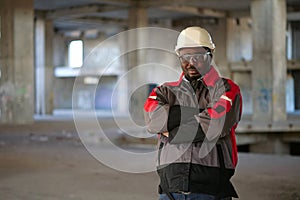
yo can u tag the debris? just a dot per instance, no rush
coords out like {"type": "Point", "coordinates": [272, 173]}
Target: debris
{"type": "Point", "coordinates": [39, 138]}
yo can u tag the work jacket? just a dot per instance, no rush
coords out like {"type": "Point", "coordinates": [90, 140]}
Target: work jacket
{"type": "Point", "coordinates": [200, 154]}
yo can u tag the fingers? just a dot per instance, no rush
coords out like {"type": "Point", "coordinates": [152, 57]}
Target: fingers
{"type": "Point", "coordinates": [166, 134]}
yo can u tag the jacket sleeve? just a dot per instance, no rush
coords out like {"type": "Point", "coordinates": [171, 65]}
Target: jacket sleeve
{"type": "Point", "coordinates": [156, 109]}
{"type": "Point", "coordinates": [183, 126]}
{"type": "Point", "coordinates": [222, 114]}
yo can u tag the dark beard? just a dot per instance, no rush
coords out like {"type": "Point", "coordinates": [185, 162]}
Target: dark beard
{"type": "Point", "coordinates": [192, 78]}
{"type": "Point", "coordinates": [202, 73]}
{"type": "Point", "coordinates": [194, 81]}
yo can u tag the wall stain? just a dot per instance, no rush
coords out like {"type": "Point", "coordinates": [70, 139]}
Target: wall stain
{"type": "Point", "coordinates": [264, 96]}
{"type": "Point", "coordinates": [7, 92]}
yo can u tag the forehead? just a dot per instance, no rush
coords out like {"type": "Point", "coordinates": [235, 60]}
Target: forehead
{"type": "Point", "coordinates": [191, 50]}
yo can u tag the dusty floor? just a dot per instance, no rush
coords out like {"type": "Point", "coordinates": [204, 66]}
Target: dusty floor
{"type": "Point", "coordinates": [46, 161]}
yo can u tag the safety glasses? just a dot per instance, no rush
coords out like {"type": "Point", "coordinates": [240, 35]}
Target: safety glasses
{"type": "Point", "coordinates": [195, 58]}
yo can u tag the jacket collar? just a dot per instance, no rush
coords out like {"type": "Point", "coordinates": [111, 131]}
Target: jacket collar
{"type": "Point", "coordinates": [211, 77]}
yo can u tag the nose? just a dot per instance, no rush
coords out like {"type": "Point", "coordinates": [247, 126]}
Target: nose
{"type": "Point", "coordinates": [192, 61]}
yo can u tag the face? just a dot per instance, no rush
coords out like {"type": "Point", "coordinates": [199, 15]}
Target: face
{"type": "Point", "coordinates": [195, 62]}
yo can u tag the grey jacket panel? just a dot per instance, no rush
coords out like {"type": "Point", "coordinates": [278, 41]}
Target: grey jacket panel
{"type": "Point", "coordinates": [220, 100]}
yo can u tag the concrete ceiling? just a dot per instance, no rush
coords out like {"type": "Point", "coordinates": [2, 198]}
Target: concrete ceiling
{"type": "Point", "coordinates": [69, 15]}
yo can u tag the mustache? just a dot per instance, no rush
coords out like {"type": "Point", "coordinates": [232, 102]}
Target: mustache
{"type": "Point", "coordinates": [191, 67]}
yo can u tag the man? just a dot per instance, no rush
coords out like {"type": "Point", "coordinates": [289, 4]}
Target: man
{"type": "Point", "coordinates": [195, 119]}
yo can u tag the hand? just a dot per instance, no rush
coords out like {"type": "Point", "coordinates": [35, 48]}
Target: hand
{"type": "Point", "coordinates": [165, 134]}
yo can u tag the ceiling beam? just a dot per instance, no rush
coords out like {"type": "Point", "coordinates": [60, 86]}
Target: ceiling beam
{"type": "Point", "coordinates": [155, 3]}
{"type": "Point", "coordinates": [239, 13]}
{"type": "Point", "coordinates": [87, 28]}
{"type": "Point", "coordinates": [293, 16]}
{"type": "Point", "coordinates": [115, 2]}
{"type": "Point", "coordinates": [80, 11]}
{"type": "Point", "coordinates": [96, 21]}
{"type": "Point", "coordinates": [86, 24]}
{"type": "Point", "coordinates": [195, 11]}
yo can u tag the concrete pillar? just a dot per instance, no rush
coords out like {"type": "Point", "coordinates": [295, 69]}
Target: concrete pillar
{"type": "Point", "coordinates": [40, 66]}
{"type": "Point", "coordinates": [44, 65]}
{"type": "Point", "coordinates": [49, 86]}
{"type": "Point", "coordinates": [137, 18]}
{"type": "Point", "coordinates": [220, 56]}
{"type": "Point", "coordinates": [16, 61]}
{"type": "Point", "coordinates": [269, 60]}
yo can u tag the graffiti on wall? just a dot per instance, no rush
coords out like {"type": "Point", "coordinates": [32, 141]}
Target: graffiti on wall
{"type": "Point", "coordinates": [264, 96]}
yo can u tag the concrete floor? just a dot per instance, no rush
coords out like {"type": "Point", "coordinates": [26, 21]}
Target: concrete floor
{"type": "Point", "coordinates": [47, 161]}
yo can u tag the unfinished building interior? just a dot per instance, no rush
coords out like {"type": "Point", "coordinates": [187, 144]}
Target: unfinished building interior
{"type": "Point", "coordinates": [62, 57]}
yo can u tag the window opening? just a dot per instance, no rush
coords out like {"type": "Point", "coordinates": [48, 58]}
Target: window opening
{"type": "Point", "coordinates": [76, 53]}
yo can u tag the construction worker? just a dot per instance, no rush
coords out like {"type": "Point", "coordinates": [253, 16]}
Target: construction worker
{"type": "Point", "coordinates": [195, 119]}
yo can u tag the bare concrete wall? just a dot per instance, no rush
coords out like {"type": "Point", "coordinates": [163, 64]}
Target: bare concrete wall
{"type": "Point", "coordinates": [239, 49]}
{"type": "Point", "coordinates": [63, 88]}
{"type": "Point", "coordinates": [16, 62]}
{"type": "Point", "coordinates": [239, 39]}
{"type": "Point", "coordinates": [59, 50]}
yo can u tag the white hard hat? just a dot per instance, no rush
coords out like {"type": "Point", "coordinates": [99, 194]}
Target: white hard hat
{"type": "Point", "coordinates": [194, 37]}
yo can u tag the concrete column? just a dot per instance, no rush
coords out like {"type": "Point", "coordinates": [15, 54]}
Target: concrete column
{"type": "Point", "coordinates": [137, 18]}
{"type": "Point", "coordinates": [40, 66]}
{"type": "Point", "coordinates": [220, 38]}
{"type": "Point", "coordinates": [49, 67]}
{"type": "Point", "coordinates": [16, 61]}
{"type": "Point", "coordinates": [44, 65]}
{"type": "Point", "coordinates": [269, 60]}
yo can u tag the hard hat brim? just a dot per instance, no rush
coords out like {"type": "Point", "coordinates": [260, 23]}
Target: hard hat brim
{"type": "Point", "coordinates": [177, 48]}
